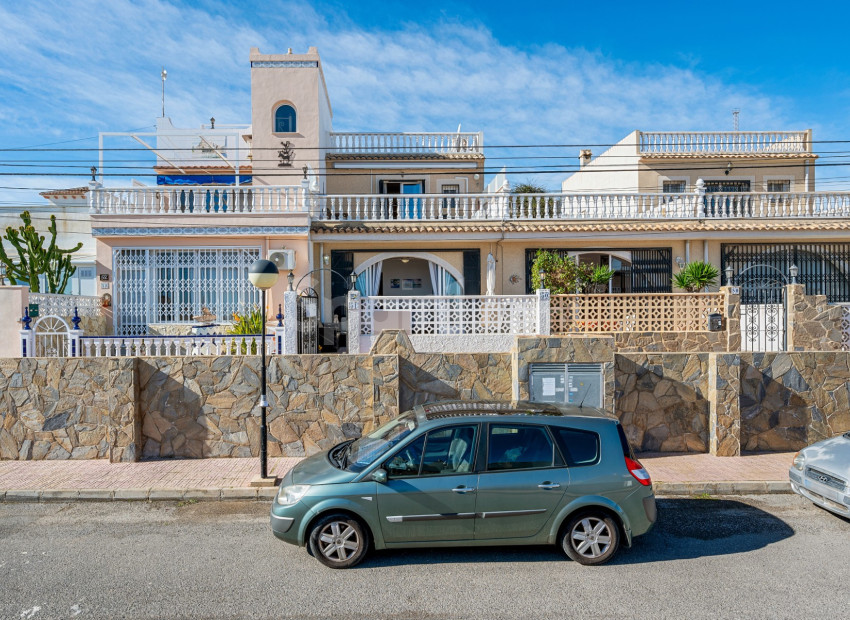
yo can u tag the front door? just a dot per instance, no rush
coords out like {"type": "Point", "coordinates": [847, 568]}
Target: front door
{"type": "Point", "coordinates": [523, 483]}
{"type": "Point", "coordinates": [430, 491]}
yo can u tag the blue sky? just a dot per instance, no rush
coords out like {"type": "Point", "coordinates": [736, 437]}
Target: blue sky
{"type": "Point", "coordinates": [524, 74]}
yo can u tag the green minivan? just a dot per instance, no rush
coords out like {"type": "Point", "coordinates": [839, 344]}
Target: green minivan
{"type": "Point", "coordinates": [482, 473]}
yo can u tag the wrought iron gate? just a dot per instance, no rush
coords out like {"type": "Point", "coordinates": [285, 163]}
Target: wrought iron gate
{"type": "Point", "coordinates": [763, 315]}
{"type": "Point", "coordinates": [52, 336]}
{"type": "Point", "coordinates": [308, 321]}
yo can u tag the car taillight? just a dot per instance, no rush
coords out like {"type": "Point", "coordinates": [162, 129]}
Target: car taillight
{"type": "Point", "coordinates": [638, 472]}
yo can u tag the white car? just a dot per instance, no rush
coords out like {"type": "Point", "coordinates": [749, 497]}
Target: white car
{"type": "Point", "coordinates": [821, 473]}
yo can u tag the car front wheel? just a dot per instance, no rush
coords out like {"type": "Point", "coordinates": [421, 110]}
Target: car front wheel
{"type": "Point", "coordinates": [590, 538]}
{"type": "Point", "coordinates": [339, 541]}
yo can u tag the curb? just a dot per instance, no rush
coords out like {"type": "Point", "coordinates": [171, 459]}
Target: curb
{"type": "Point", "coordinates": [742, 487]}
{"type": "Point", "coordinates": [662, 489]}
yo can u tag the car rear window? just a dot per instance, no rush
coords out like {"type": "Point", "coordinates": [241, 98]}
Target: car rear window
{"type": "Point", "coordinates": [624, 442]}
{"type": "Point", "coordinates": [580, 448]}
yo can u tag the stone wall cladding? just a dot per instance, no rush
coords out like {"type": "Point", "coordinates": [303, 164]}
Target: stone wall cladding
{"type": "Point", "coordinates": [208, 407]}
{"type": "Point", "coordinates": [670, 342]}
{"type": "Point", "coordinates": [68, 409]}
{"type": "Point", "coordinates": [724, 384]}
{"type": "Point", "coordinates": [790, 400]}
{"type": "Point", "coordinates": [661, 400]}
{"type": "Point", "coordinates": [813, 324]}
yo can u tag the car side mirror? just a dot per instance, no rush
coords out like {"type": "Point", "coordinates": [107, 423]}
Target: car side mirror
{"type": "Point", "coordinates": [379, 475]}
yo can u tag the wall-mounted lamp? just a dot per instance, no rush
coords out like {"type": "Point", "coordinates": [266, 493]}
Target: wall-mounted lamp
{"type": "Point", "coordinates": [290, 278]}
{"type": "Point", "coordinates": [326, 260]}
{"type": "Point", "coordinates": [542, 275]}
{"type": "Point", "coordinates": [793, 270]}
{"type": "Point", "coordinates": [353, 278]}
{"type": "Point", "coordinates": [730, 273]}
{"type": "Point", "coordinates": [728, 169]}
{"type": "Point", "coordinates": [680, 262]}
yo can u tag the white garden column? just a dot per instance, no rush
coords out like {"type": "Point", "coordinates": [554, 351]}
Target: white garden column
{"type": "Point", "coordinates": [354, 322]}
{"type": "Point", "coordinates": [543, 316]}
{"type": "Point", "coordinates": [27, 342]}
{"type": "Point", "coordinates": [290, 323]}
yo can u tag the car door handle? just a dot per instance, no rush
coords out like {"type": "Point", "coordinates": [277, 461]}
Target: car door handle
{"type": "Point", "coordinates": [549, 485]}
{"type": "Point", "coordinates": [464, 490]}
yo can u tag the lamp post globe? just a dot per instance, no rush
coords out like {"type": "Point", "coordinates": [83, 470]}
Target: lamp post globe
{"type": "Point", "coordinates": [263, 274]}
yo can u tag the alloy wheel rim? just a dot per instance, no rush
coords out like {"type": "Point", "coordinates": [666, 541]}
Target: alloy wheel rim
{"type": "Point", "coordinates": [591, 537]}
{"type": "Point", "coordinates": [338, 541]}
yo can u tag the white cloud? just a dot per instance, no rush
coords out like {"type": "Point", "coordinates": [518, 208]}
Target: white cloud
{"type": "Point", "coordinates": [70, 69]}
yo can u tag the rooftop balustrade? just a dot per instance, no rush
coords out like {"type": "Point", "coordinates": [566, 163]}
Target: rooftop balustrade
{"type": "Point", "coordinates": [723, 142]}
{"type": "Point", "coordinates": [406, 143]}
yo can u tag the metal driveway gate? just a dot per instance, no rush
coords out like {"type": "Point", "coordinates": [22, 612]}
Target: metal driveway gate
{"type": "Point", "coordinates": [308, 321]}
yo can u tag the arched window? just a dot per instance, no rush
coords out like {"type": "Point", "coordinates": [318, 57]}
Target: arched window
{"type": "Point", "coordinates": [284, 119]}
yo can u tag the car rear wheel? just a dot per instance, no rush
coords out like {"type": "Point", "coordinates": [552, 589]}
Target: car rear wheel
{"type": "Point", "coordinates": [590, 538]}
{"type": "Point", "coordinates": [339, 541]}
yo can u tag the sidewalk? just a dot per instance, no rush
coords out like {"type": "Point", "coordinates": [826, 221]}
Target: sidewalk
{"type": "Point", "coordinates": [211, 479]}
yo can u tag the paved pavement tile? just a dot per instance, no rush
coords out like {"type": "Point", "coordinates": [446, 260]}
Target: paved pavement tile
{"type": "Point", "coordinates": [179, 479]}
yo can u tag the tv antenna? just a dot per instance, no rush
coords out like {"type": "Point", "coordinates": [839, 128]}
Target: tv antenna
{"type": "Point", "coordinates": [735, 114]}
{"type": "Point", "coordinates": [163, 75]}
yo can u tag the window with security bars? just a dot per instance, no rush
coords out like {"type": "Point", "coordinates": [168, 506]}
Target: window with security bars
{"type": "Point", "coordinates": [173, 285]}
{"type": "Point", "coordinates": [673, 187]}
{"type": "Point", "coordinates": [779, 186]}
{"type": "Point", "coordinates": [823, 268]}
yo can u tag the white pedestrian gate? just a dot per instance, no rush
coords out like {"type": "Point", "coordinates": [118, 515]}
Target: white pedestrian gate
{"type": "Point", "coordinates": [52, 336]}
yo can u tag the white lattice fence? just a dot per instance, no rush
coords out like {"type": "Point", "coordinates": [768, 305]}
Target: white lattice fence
{"type": "Point", "coordinates": [658, 312]}
{"type": "Point", "coordinates": [505, 314]}
{"type": "Point", "coordinates": [64, 305]}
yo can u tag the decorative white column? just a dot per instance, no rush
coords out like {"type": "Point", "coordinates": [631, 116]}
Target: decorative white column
{"type": "Point", "coordinates": [27, 342]}
{"type": "Point", "coordinates": [543, 317]}
{"type": "Point", "coordinates": [290, 323]}
{"type": "Point", "coordinates": [354, 322]}
{"type": "Point", "coordinates": [699, 192]}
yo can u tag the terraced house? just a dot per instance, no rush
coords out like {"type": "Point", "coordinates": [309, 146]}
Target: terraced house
{"type": "Point", "coordinates": [408, 219]}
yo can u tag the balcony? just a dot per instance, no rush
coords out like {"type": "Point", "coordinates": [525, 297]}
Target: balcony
{"type": "Point", "coordinates": [445, 144]}
{"type": "Point", "coordinates": [678, 143]}
{"type": "Point", "coordinates": [219, 203]}
{"type": "Point", "coordinates": [215, 201]}
{"type": "Point", "coordinates": [561, 206]}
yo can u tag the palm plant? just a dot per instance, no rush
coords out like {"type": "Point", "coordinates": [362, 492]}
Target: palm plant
{"type": "Point", "coordinates": [249, 323]}
{"type": "Point", "coordinates": [696, 276]}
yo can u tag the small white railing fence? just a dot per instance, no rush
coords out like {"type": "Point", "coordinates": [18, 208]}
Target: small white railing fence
{"type": "Point", "coordinates": [406, 143]}
{"type": "Point", "coordinates": [164, 346]}
{"type": "Point", "coordinates": [723, 142]}
{"type": "Point", "coordinates": [637, 312]}
{"type": "Point", "coordinates": [503, 314]}
{"type": "Point", "coordinates": [64, 305]}
{"type": "Point", "coordinates": [199, 200]}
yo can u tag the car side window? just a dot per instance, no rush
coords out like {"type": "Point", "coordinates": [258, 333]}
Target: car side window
{"type": "Point", "coordinates": [406, 461]}
{"type": "Point", "coordinates": [519, 446]}
{"type": "Point", "coordinates": [579, 447]}
{"type": "Point", "coordinates": [449, 450]}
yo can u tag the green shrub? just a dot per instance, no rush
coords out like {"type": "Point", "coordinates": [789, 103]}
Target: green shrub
{"type": "Point", "coordinates": [696, 276]}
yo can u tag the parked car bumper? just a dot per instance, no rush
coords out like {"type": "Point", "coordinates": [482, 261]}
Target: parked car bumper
{"type": "Point", "coordinates": [820, 494]}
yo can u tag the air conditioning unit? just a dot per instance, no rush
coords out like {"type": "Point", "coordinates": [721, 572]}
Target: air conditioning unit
{"type": "Point", "coordinates": [284, 259]}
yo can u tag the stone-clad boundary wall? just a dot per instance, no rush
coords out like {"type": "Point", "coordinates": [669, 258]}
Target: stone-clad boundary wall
{"type": "Point", "coordinates": [123, 409]}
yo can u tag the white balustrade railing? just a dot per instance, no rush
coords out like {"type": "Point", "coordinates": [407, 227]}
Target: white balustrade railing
{"type": "Point", "coordinates": [558, 206]}
{"type": "Point", "coordinates": [406, 143]}
{"type": "Point", "coordinates": [722, 142]}
{"type": "Point", "coordinates": [162, 346]}
{"type": "Point", "coordinates": [199, 200]}
{"type": "Point", "coordinates": [497, 314]}
{"type": "Point", "coordinates": [64, 305]}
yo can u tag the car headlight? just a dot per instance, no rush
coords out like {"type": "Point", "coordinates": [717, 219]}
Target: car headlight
{"type": "Point", "coordinates": [286, 496]}
{"type": "Point", "coordinates": [799, 461]}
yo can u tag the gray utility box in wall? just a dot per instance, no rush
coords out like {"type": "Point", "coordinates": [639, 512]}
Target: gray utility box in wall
{"type": "Point", "coordinates": [566, 384]}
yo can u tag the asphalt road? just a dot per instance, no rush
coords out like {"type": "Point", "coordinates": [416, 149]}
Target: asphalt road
{"type": "Point", "coordinates": [754, 557]}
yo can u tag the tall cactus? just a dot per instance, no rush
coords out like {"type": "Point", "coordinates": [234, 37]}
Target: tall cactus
{"type": "Point", "coordinates": [34, 259]}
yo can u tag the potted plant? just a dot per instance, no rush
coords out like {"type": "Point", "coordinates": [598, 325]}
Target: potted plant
{"type": "Point", "coordinates": [696, 276]}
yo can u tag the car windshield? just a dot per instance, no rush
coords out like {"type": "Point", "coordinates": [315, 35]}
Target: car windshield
{"type": "Point", "coordinates": [367, 449]}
